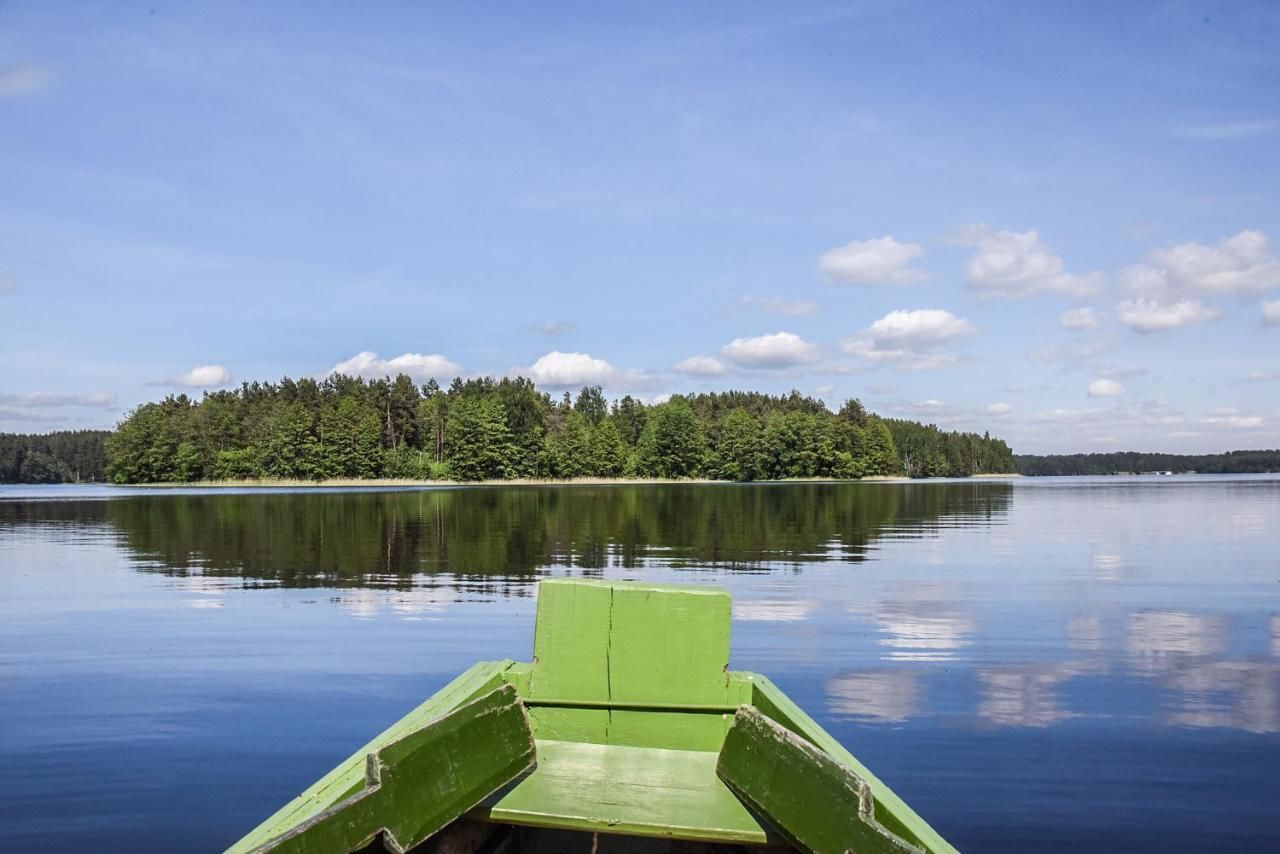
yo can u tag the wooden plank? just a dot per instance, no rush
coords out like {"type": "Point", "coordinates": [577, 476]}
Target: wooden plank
{"type": "Point", "coordinates": [630, 643]}
{"type": "Point", "coordinates": [571, 640]}
{"type": "Point", "coordinates": [616, 789]}
{"type": "Point", "coordinates": [417, 785]}
{"type": "Point", "coordinates": [669, 644]}
{"type": "Point", "coordinates": [891, 811]}
{"type": "Point", "coordinates": [819, 804]}
{"type": "Point", "coordinates": [348, 777]}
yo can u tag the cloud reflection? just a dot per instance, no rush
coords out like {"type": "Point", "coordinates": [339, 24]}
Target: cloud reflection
{"type": "Point", "coordinates": [1027, 695]}
{"type": "Point", "coordinates": [1159, 641]}
{"type": "Point", "coordinates": [875, 696]}
{"type": "Point", "coordinates": [924, 630]}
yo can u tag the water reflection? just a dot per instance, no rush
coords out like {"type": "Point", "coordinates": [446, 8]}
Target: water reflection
{"type": "Point", "coordinates": [876, 696]}
{"type": "Point", "coordinates": [926, 627]}
{"type": "Point", "coordinates": [1239, 694]}
{"type": "Point", "coordinates": [1027, 695]}
{"type": "Point", "coordinates": [1160, 641]}
{"type": "Point", "coordinates": [383, 539]}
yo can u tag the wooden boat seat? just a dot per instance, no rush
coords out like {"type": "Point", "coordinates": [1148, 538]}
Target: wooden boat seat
{"type": "Point", "coordinates": [642, 791]}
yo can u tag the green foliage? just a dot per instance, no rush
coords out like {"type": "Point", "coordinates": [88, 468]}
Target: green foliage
{"type": "Point", "coordinates": [673, 443]}
{"type": "Point", "coordinates": [484, 428]}
{"type": "Point", "coordinates": [926, 451]}
{"type": "Point", "coordinates": [1133, 462]}
{"type": "Point", "coordinates": [478, 441]}
{"type": "Point", "coordinates": [65, 456]}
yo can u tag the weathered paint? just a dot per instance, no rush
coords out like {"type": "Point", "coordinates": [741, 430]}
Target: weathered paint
{"type": "Point", "coordinates": [891, 811]}
{"type": "Point", "coordinates": [616, 789]}
{"type": "Point", "coordinates": [601, 647]}
{"type": "Point", "coordinates": [818, 803]}
{"type": "Point", "coordinates": [348, 777]}
{"type": "Point", "coordinates": [416, 786]}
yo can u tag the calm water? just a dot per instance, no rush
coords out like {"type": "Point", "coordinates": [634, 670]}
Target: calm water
{"type": "Point", "coordinates": [1046, 665]}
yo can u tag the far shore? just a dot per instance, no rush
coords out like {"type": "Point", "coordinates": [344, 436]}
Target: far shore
{"type": "Point", "coordinates": [285, 483]}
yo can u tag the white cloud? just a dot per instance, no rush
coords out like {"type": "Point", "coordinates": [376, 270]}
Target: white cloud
{"type": "Point", "coordinates": [1018, 264]}
{"type": "Point", "coordinates": [1271, 312]}
{"type": "Point", "coordinates": [825, 390]}
{"type": "Point", "coordinates": [909, 339]}
{"type": "Point", "coordinates": [551, 328]}
{"type": "Point", "coordinates": [1262, 376]}
{"type": "Point", "coordinates": [1079, 318]}
{"type": "Point", "coordinates": [919, 326]}
{"type": "Point", "coordinates": [1238, 422]}
{"type": "Point", "coordinates": [42, 398]}
{"type": "Point", "coordinates": [1242, 264]}
{"type": "Point", "coordinates": [1105, 388]}
{"type": "Point", "coordinates": [778, 305]}
{"type": "Point", "coordinates": [417, 365]}
{"type": "Point", "coordinates": [1000, 408]}
{"type": "Point", "coordinates": [22, 80]}
{"type": "Point", "coordinates": [779, 350]}
{"type": "Point", "coordinates": [570, 369]}
{"type": "Point", "coordinates": [701, 366]}
{"type": "Point", "coordinates": [204, 376]}
{"type": "Point", "coordinates": [1150, 315]}
{"type": "Point", "coordinates": [881, 260]}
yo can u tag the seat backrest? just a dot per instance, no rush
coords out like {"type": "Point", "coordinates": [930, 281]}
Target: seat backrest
{"type": "Point", "coordinates": [631, 643]}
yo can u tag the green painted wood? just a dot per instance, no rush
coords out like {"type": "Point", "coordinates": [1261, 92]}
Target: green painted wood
{"type": "Point", "coordinates": [891, 811]}
{"type": "Point", "coordinates": [571, 640]}
{"type": "Point", "coordinates": [625, 790]}
{"type": "Point", "coordinates": [417, 785]}
{"type": "Point", "coordinates": [611, 645]}
{"type": "Point", "coordinates": [818, 803]}
{"type": "Point", "coordinates": [348, 777]}
{"type": "Point", "coordinates": [669, 644]}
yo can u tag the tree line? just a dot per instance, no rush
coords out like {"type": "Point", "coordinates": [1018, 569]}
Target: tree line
{"type": "Point", "coordinates": [501, 429]}
{"type": "Point", "coordinates": [65, 456]}
{"type": "Point", "coordinates": [1134, 462]}
{"type": "Point", "coordinates": [927, 451]}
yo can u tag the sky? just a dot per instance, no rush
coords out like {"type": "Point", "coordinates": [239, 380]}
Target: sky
{"type": "Point", "coordinates": [1059, 223]}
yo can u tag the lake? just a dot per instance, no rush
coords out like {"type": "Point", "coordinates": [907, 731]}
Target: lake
{"type": "Point", "coordinates": [1071, 664]}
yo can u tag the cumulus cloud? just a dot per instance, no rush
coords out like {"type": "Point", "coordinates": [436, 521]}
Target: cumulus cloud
{"type": "Point", "coordinates": [420, 367]}
{"type": "Point", "coordinates": [570, 369]}
{"type": "Point", "coordinates": [41, 398]}
{"type": "Point", "coordinates": [701, 366]}
{"type": "Point", "coordinates": [778, 305]}
{"type": "Point", "coordinates": [880, 260]}
{"type": "Point", "coordinates": [779, 350]}
{"type": "Point", "coordinates": [1242, 264]}
{"type": "Point", "coordinates": [204, 376]}
{"type": "Point", "coordinates": [1271, 312]}
{"type": "Point", "coordinates": [1019, 264]}
{"type": "Point", "coordinates": [1105, 388]}
{"type": "Point", "coordinates": [1080, 318]}
{"type": "Point", "coordinates": [925, 325]}
{"type": "Point", "coordinates": [1148, 315]}
{"type": "Point", "coordinates": [22, 80]}
{"type": "Point", "coordinates": [910, 340]}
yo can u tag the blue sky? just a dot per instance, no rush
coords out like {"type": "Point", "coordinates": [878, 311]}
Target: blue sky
{"type": "Point", "coordinates": [1059, 223]}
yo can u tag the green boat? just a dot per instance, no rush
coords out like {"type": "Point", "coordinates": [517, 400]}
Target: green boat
{"type": "Point", "coordinates": [626, 733]}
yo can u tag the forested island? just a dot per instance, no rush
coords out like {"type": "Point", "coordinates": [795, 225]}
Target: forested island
{"type": "Point", "coordinates": [1135, 462]}
{"type": "Point", "coordinates": [503, 429]}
